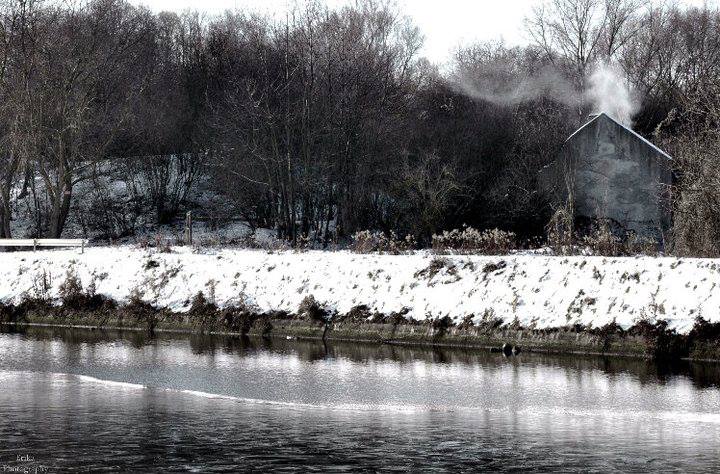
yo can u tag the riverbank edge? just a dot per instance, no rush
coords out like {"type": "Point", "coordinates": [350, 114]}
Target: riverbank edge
{"type": "Point", "coordinates": [643, 340]}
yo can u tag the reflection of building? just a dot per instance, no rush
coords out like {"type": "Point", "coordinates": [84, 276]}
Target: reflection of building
{"type": "Point", "coordinates": [609, 171]}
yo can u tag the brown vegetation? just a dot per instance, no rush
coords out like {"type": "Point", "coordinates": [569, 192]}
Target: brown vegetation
{"type": "Point", "coordinates": [367, 242]}
{"type": "Point", "coordinates": [469, 240]}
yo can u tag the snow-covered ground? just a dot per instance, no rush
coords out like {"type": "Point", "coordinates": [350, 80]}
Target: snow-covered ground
{"type": "Point", "coordinates": [534, 290]}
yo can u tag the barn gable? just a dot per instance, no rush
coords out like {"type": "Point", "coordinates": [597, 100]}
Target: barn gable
{"type": "Point", "coordinates": [604, 120]}
{"type": "Point", "coordinates": [614, 173]}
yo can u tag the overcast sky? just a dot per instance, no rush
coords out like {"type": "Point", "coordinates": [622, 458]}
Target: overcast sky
{"type": "Point", "coordinates": [445, 23]}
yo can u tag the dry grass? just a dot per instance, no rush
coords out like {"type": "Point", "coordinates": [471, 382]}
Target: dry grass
{"type": "Point", "coordinates": [470, 240]}
{"type": "Point", "coordinates": [369, 242]}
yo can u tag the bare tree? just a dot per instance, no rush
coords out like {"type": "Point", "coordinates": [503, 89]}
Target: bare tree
{"type": "Point", "coordinates": [311, 123]}
{"type": "Point", "coordinates": [81, 93]}
{"type": "Point", "coordinates": [18, 23]}
{"type": "Point", "coordinates": [575, 33]}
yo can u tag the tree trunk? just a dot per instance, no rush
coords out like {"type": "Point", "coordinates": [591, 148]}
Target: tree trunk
{"type": "Point", "coordinates": [5, 221]}
{"type": "Point", "coordinates": [5, 214]}
{"type": "Point", "coordinates": [60, 210]}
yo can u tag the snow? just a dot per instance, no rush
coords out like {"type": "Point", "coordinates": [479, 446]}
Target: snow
{"type": "Point", "coordinates": [537, 291]}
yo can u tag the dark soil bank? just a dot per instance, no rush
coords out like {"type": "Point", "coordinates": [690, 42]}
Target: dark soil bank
{"type": "Point", "coordinates": [313, 322]}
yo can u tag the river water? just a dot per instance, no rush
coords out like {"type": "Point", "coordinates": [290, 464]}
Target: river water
{"type": "Point", "coordinates": [123, 401]}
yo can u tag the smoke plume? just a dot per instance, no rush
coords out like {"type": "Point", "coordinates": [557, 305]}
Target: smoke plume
{"type": "Point", "coordinates": [606, 89]}
{"type": "Point", "coordinates": [504, 87]}
{"type": "Point", "coordinates": [609, 92]}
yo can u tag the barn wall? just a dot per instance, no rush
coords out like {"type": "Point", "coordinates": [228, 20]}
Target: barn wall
{"type": "Point", "coordinates": [616, 175]}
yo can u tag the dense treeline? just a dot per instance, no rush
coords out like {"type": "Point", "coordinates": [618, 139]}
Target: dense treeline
{"type": "Point", "coordinates": [330, 121]}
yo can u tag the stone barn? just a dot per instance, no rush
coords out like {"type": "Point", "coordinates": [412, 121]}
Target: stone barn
{"type": "Point", "coordinates": [608, 171]}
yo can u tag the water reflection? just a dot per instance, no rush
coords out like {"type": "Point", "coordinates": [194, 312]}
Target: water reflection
{"type": "Point", "coordinates": [125, 401]}
{"type": "Point", "coordinates": [701, 374]}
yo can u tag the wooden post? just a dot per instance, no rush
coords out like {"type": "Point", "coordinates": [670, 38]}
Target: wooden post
{"type": "Point", "coordinates": [34, 245]}
{"type": "Point", "coordinates": [188, 229]}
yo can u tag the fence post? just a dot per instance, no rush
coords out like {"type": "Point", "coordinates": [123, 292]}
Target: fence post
{"type": "Point", "coordinates": [188, 229]}
{"type": "Point", "coordinates": [34, 245]}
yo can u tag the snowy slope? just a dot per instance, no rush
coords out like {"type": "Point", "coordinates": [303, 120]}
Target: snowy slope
{"type": "Point", "coordinates": [536, 291]}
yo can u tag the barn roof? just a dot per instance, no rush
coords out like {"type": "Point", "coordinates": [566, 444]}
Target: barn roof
{"type": "Point", "coordinates": [604, 116]}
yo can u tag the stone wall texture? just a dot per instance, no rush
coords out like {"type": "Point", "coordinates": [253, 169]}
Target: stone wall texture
{"type": "Point", "coordinates": [614, 173]}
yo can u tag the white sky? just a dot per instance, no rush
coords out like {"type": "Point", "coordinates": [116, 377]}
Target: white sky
{"type": "Point", "coordinates": [446, 24]}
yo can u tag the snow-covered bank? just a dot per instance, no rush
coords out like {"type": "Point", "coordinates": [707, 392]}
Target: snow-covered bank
{"type": "Point", "coordinates": [534, 291]}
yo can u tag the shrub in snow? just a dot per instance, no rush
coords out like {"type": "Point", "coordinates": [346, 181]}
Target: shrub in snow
{"type": "Point", "coordinates": [368, 241]}
{"type": "Point", "coordinates": [140, 310]}
{"type": "Point", "coordinates": [704, 339]}
{"type": "Point", "coordinates": [436, 266]}
{"type": "Point", "coordinates": [74, 297]}
{"type": "Point", "coordinates": [311, 310]}
{"type": "Point", "coordinates": [358, 313]}
{"type": "Point", "coordinates": [602, 237]}
{"type": "Point", "coordinates": [467, 322]}
{"type": "Point", "coordinates": [637, 245]}
{"type": "Point", "coordinates": [250, 241]}
{"type": "Point", "coordinates": [160, 243]}
{"type": "Point", "coordinates": [489, 320]}
{"type": "Point", "coordinates": [493, 267]}
{"type": "Point", "coordinates": [441, 325]}
{"type": "Point", "coordinates": [201, 306]}
{"type": "Point", "coordinates": [470, 240]}
{"type": "Point", "coordinates": [12, 313]}
{"type": "Point", "coordinates": [107, 210]}
{"type": "Point", "coordinates": [602, 241]}
{"type": "Point", "coordinates": [7, 312]}
{"type": "Point", "coordinates": [394, 318]}
{"type": "Point", "coordinates": [203, 310]}
{"type": "Point", "coordinates": [42, 284]}
{"type": "Point", "coordinates": [660, 340]}
{"type": "Point", "coordinates": [70, 290]}
{"type": "Point", "coordinates": [560, 232]}
{"type": "Point", "coordinates": [240, 318]}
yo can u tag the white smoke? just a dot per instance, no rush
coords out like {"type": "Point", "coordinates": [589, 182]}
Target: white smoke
{"type": "Point", "coordinates": [607, 89]}
{"type": "Point", "coordinates": [503, 87]}
{"type": "Point", "coordinates": [610, 92]}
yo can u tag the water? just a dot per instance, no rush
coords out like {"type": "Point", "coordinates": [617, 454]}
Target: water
{"type": "Point", "coordinates": [109, 401]}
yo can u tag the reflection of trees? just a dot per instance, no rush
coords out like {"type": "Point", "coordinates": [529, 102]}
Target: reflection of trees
{"type": "Point", "coordinates": [646, 371]}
